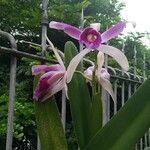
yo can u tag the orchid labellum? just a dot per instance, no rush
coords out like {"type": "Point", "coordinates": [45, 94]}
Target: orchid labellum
{"type": "Point", "coordinates": [93, 40]}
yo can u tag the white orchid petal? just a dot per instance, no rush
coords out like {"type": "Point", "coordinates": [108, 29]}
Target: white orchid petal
{"type": "Point", "coordinates": [116, 54]}
{"type": "Point", "coordinates": [95, 26]}
{"type": "Point", "coordinates": [74, 63]}
{"type": "Point", "coordinates": [65, 86]}
{"type": "Point", "coordinates": [100, 62]}
{"type": "Point", "coordinates": [108, 87]}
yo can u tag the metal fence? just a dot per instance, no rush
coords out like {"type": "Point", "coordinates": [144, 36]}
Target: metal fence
{"type": "Point", "coordinates": [124, 84]}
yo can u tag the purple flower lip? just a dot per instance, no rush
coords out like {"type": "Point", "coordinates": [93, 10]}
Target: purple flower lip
{"type": "Point", "coordinates": [90, 37]}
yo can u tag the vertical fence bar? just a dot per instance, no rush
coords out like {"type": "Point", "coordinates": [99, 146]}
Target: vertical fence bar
{"type": "Point", "coordinates": [63, 109]}
{"type": "Point", "coordinates": [115, 92]}
{"type": "Point", "coordinates": [12, 84]}
{"type": "Point", "coordinates": [106, 106]}
{"type": "Point", "coordinates": [123, 93]}
{"type": "Point", "coordinates": [129, 89]}
{"type": "Point", "coordinates": [44, 24]}
{"type": "Point", "coordinates": [81, 26]}
{"type": "Point", "coordinates": [136, 146]}
{"type": "Point", "coordinates": [38, 143]}
{"type": "Point", "coordinates": [145, 140]}
{"type": "Point", "coordinates": [135, 61]}
{"type": "Point", "coordinates": [123, 83]}
{"type": "Point", "coordinates": [141, 144]}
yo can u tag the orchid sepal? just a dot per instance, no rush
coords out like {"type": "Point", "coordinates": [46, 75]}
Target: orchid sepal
{"type": "Point", "coordinates": [68, 29]}
{"type": "Point", "coordinates": [116, 54]}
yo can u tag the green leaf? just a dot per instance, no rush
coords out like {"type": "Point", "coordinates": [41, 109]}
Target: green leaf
{"type": "Point", "coordinates": [49, 126]}
{"type": "Point", "coordinates": [79, 100]}
{"type": "Point", "coordinates": [127, 126]}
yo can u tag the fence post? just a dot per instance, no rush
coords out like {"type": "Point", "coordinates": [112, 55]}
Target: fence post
{"type": "Point", "coordinates": [123, 83]}
{"type": "Point", "coordinates": [12, 84]}
{"type": "Point", "coordinates": [44, 24]}
{"type": "Point", "coordinates": [63, 109]}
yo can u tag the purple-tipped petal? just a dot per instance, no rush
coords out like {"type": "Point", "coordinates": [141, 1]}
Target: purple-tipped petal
{"type": "Point", "coordinates": [46, 82]}
{"type": "Point", "coordinates": [116, 54]}
{"type": "Point", "coordinates": [113, 31]}
{"type": "Point", "coordinates": [39, 69]}
{"type": "Point", "coordinates": [58, 86]}
{"type": "Point", "coordinates": [90, 37]}
{"type": "Point", "coordinates": [58, 25]}
{"type": "Point", "coordinates": [73, 32]}
{"type": "Point", "coordinates": [74, 63]}
{"type": "Point", "coordinates": [68, 29]}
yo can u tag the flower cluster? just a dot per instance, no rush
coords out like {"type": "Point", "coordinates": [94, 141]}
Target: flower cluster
{"type": "Point", "coordinates": [55, 77]}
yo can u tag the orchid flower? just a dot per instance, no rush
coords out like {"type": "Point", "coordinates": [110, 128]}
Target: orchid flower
{"type": "Point", "coordinates": [93, 40]}
{"type": "Point", "coordinates": [50, 81]}
{"type": "Point", "coordinates": [102, 75]}
{"type": "Point", "coordinates": [52, 78]}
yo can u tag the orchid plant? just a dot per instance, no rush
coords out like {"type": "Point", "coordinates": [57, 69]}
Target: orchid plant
{"type": "Point", "coordinates": [53, 79]}
{"type": "Point", "coordinates": [86, 108]}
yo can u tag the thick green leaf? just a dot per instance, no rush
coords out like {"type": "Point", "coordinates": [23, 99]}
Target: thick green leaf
{"type": "Point", "coordinates": [79, 100]}
{"type": "Point", "coordinates": [49, 126]}
{"type": "Point", "coordinates": [127, 126]}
